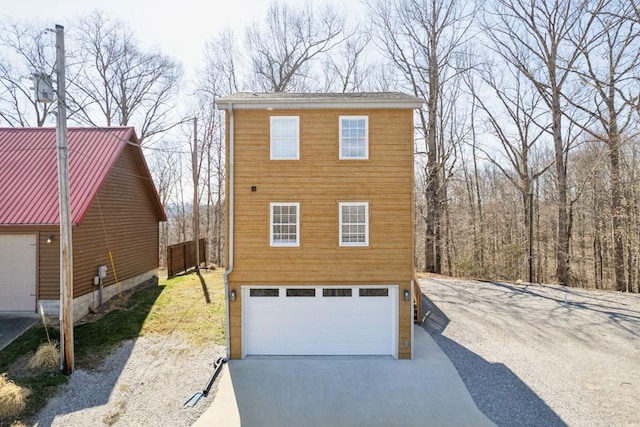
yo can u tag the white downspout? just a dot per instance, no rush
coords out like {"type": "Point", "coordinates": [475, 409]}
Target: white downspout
{"type": "Point", "coordinates": [231, 167]}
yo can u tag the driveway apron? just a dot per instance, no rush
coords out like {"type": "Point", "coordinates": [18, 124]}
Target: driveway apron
{"type": "Point", "coordinates": [344, 391]}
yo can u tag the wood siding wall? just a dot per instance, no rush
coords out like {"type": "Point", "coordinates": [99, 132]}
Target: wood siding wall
{"type": "Point", "coordinates": [319, 181]}
{"type": "Point", "coordinates": [49, 264]}
{"type": "Point", "coordinates": [122, 219]}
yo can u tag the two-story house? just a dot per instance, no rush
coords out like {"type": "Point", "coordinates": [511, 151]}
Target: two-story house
{"type": "Point", "coordinates": [320, 246]}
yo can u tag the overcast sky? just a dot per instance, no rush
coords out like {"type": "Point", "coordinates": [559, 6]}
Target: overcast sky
{"type": "Point", "coordinates": [179, 28]}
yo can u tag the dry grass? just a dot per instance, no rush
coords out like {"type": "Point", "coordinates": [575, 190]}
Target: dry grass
{"type": "Point", "coordinates": [13, 398]}
{"type": "Point", "coordinates": [190, 307]}
{"type": "Point", "coordinates": [47, 357]}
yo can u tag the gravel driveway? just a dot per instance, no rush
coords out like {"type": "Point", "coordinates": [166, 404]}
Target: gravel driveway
{"type": "Point", "coordinates": [530, 357]}
{"type": "Point", "coordinates": [145, 382]}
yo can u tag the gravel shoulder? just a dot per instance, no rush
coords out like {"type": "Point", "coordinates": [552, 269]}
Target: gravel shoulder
{"type": "Point", "coordinates": [535, 355]}
{"type": "Point", "coordinates": [143, 382]}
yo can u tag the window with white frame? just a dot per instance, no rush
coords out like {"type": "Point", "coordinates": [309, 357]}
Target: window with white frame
{"type": "Point", "coordinates": [285, 138]}
{"type": "Point", "coordinates": [284, 224]}
{"type": "Point", "coordinates": [354, 137]}
{"type": "Point", "coordinates": [354, 224]}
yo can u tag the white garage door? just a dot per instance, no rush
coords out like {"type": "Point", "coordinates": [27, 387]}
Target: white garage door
{"type": "Point", "coordinates": [320, 320]}
{"type": "Point", "coordinates": [17, 272]}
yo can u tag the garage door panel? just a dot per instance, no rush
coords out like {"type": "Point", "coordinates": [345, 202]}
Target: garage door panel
{"type": "Point", "coordinates": [17, 272]}
{"type": "Point", "coordinates": [332, 325]}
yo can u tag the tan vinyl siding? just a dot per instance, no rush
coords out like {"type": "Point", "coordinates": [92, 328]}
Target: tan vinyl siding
{"type": "Point", "coordinates": [319, 181]}
{"type": "Point", "coordinates": [235, 327]}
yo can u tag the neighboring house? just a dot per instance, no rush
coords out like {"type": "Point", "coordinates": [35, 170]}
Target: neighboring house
{"type": "Point", "coordinates": [115, 212]}
{"type": "Point", "coordinates": [320, 223]}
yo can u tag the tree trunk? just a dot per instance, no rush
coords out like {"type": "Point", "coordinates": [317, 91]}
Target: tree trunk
{"type": "Point", "coordinates": [562, 242]}
{"type": "Point", "coordinates": [617, 212]}
{"type": "Point", "coordinates": [433, 248]}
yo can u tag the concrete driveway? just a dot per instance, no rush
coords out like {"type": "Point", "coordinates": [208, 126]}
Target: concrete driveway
{"type": "Point", "coordinates": [12, 325]}
{"type": "Point", "coordinates": [344, 391]}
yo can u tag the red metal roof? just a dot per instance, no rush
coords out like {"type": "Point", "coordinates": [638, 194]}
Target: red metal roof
{"type": "Point", "coordinates": [29, 175]}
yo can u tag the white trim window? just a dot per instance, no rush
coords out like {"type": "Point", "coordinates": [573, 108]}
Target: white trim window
{"type": "Point", "coordinates": [354, 224]}
{"type": "Point", "coordinates": [285, 138]}
{"type": "Point", "coordinates": [354, 137]}
{"type": "Point", "coordinates": [284, 224]}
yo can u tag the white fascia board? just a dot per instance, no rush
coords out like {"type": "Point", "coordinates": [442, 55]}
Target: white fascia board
{"type": "Point", "coordinates": [329, 104]}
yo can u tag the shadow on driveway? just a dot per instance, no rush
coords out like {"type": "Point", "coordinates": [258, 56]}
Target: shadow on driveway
{"type": "Point", "coordinates": [88, 388]}
{"type": "Point", "coordinates": [503, 397]}
{"type": "Point", "coordinates": [618, 314]}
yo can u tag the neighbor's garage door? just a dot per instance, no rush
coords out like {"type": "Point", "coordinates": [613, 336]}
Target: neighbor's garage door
{"type": "Point", "coordinates": [320, 320]}
{"type": "Point", "coordinates": [17, 272]}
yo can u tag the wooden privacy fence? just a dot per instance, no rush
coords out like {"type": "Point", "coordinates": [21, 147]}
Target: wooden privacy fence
{"type": "Point", "coordinates": [182, 256]}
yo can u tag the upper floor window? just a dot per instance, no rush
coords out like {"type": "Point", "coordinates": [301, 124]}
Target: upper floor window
{"type": "Point", "coordinates": [354, 224]}
{"type": "Point", "coordinates": [285, 138]}
{"type": "Point", "coordinates": [285, 220]}
{"type": "Point", "coordinates": [354, 137]}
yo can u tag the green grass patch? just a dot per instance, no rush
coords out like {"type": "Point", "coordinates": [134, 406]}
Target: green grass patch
{"type": "Point", "coordinates": [123, 322]}
{"type": "Point", "coordinates": [191, 306]}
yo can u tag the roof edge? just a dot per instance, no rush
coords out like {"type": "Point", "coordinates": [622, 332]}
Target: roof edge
{"type": "Point", "coordinates": [318, 105]}
{"type": "Point", "coordinates": [369, 100]}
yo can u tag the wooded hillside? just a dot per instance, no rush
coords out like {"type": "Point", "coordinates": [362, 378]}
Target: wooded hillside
{"type": "Point", "coordinates": [527, 147]}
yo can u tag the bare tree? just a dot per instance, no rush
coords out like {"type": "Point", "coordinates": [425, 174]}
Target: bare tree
{"type": "Point", "coordinates": [213, 158]}
{"type": "Point", "coordinates": [221, 77]}
{"type": "Point", "coordinates": [119, 82]}
{"type": "Point", "coordinates": [610, 74]}
{"type": "Point", "coordinates": [222, 63]}
{"type": "Point", "coordinates": [283, 51]}
{"type": "Point", "coordinates": [513, 117]}
{"type": "Point", "coordinates": [25, 50]}
{"type": "Point", "coordinates": [423, 39]}
{"type": "Point", "coordinates": [384, 78]}
{"type": "Point", "coordinates": [473, 190]}
{"type": "Point", "coordinates": [348, 70]}
{"type": "Point", "coordinates": [162, 166]}
{"type": "Point", "coordinates": [543, 40]}
{"type": "Point", "coordinates": [635, 6]}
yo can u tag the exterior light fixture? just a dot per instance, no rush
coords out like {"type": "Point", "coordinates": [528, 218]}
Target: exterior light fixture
{"type": "Point", "coordinates": [50, 239]}
{"type": "Point", "coordinates": [406, 295]}
{"type": "Point", "coordinates": [233, 295]}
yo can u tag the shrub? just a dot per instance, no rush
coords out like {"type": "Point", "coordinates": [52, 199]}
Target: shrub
{"type": "Point", "coordinates": [13, 398]}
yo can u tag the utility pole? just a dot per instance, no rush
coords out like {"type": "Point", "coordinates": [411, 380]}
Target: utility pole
{"type": "Point", "coordinates": [196, 219]}
{"type": "Point", "coordinates": [66, 250]}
